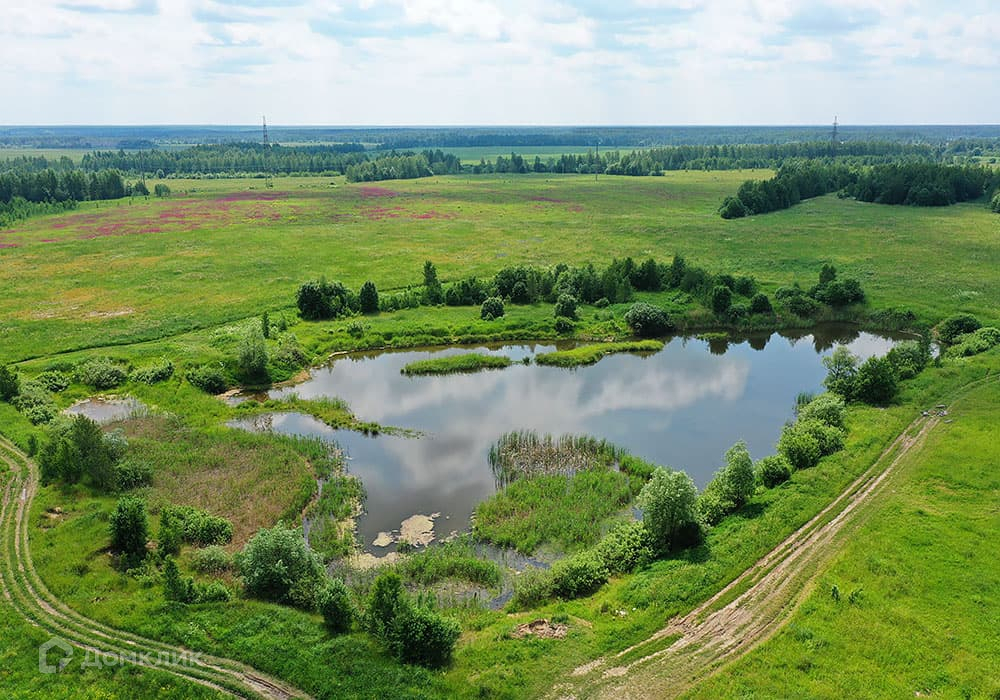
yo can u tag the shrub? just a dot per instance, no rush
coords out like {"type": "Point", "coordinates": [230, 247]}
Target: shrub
{"type": "Point", "coordinates": [323, 300]}
{"type": "Point", "coordinates": [564, 325]}
{"type": "Point", "coordinates": [842, 370]}
{"type": "Point", "coordinates": [745, 286]}
{"type": "Point", "coordinates": [212, 592]}
{"type": "Point", "coordinates": [712, 505]}
{"type": "Point", "coordinates": [566, 306]}
{"type": "Point", "coordinates": [53, 380]}
{"type": "Point", "coordinates": [421, 636]}
{"type": "Point", "coordinates": [368, 298]}
{"type": "Point", "coordinates": [467, 292]}
{"type": "Point", "coordinates": [910, 357]}
{"type": "Point", "coordinates": [100, 373]}
{"type": "Point", "coordinates": [491, 309]}
{"type": "Point", "coordinates": [384, 601]}
{"type": "Point", "coordinates": [802, 306]}
{"type": "Point", "coordinates": [9, 385]}
{"type": "Point", "coordinates": [208, 378]}
{"type": "Point", "coordinates": [198, 527]}
{"type": "Point", "coordinates": [668, 505]}
{"type": "Point", "coordinates": [278, 565]}
{"type": "Point", "coordinates": [578, 575]}
{"type": "Point", "coordinates": [289, 355]}
{"type": "Point", "coordinates": [334, 604]}
{"type": "Point", "coordinates": [647, 321]}
{"type": "Point", "coordinates": [722, 297]}
{"type": "Point", "coordinates": [132, 474]}
{"type": "Point", "coordinates": [432, 287]}
{"type": "Point", "coordinates": [624, 548]}
{"type": "Point", "coordinates": [251, 360]}
{"type": "Point", "coordinates": [732, 208]}
{"type": "Point", "coordinates": [827, 408]}
{"type": "Point", "coordinates": [773, 470]}
{"type": "Point", "coordinates": [956, 325]}
{"type": "Point", "coordinates": [211, 560]}
{"type": "Point", "coordinates": [532, 587]}
{"type": "Point", "coordinates": [737, 311]}
{"type": "Point", "coordinates": [154, 373]}
{"type": "Point", "coordinates": [760, 304]}
{"type": "Point", "coordinates": [77, 450]}
{"type": "Point", "coordinates": [876, 382]}
{"type": "Point", "coordinates": [602, 303]}
{"type": "Point", "coordinates": [129, 529]}
{"type": "Point", "coordinates": [177, 588]}
{"type": "Point", "coordinates": [799, 447]}
{"type": "Point", "coordinates": [736, 479]}
{"type": "Point", "coordinates": [976, 342]}
{"type": "Point", "coordinates": [36, 403]}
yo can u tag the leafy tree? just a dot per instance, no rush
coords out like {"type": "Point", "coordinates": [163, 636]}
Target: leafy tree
{"type": "Point", "coordinates": [732, 208]}
{"type": "Point", "coordinates": [760, 304]}
{"type": "Point", "coordinates": [278, 565]}
{"type": "Point", "coordinates": [421, 636]}
{"type": "Point", "coordinates": [647, 277]}
{"type": "Point", "coordinates": [334, 604]}
{"type": "Point", "coordinates": [161, 190]}
{"type": "Point", "coordinates": [139, 188]}
{"type": "Point", "coordinates": [828, 408]}
{"type": "Point", "coordinates": [773, 470]}
{"type": "Point", "coordinates": [842, 369]}
{"type": "Point", "coordinates": [566, 306]}
{"type": "Point", "coordinates": [648, 321]}
{"type": "Point", "coordinates": [800, 447]}
{"type": "Point", "coordinates": [9, 386]}
{"type": "Point", "coordinates": [432, 287]}
{"type": "Point", "coordinates": [78, 450]}
{"type": "Point", "coordinates": [176, 587]}
{"type": "Point", "coordinates": [313, 303]}
{"type": "Point", "coordinates": [668, 507]}
{"type": "Point", "coordinates": [737, 478]}
{"type": "Point", "coordinates": [491, 309]}
{"type": "Point", "coordinates": [368, 297]}
{"type": "Point", "coordinates": [959, 324]}
{"type": "Point", "coordinates": [384, 601]}
{"type": "Point", "coordinates": [129, 528]}
{"type": "Point", "coordinates": [876, 382]}
{"type": "Point", "coordinates": [252, 358]}
{"type": "Point", "coordinates": [722, 297]}
{"type": "Point", "coordinates": [827, 274]}
{"type": "Point", "coordinates": [265, 325]}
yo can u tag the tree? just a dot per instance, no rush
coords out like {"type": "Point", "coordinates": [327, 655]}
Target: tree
{"type": "Point", "coordinates": [161, 190]}
{"type": "Point", "coordinates": [876, 382]}
{"type": "Point", "coordinates": [278, 565]}
{"type": "Point", "coordinates": [313, 303]}
{"type": "Point", "coordinates": [384, 601]}
{"type": "Point", "coordinates": [647, 277]}
{"type": "Point", "coordinates": [842, 368]}
{"type": "Point", "coordinates": [799, 447]}
{"type": "Point", "coordinates": [491, 309]}
{"type": "Point", "coordinates": [421, 636]}
{"type": "Point", "coordinates": [265, 325]}
{"type": "Point", "coordinates": [432, 287]}
{"type": "Point", "coordinates": [760, 304]}
{"type": "Point", "coordinates": [773, 470]}
{"type": "Point", "coordinates": [828, 408]}
{"type": "Point", "coordinates": [827, 273]}
{"type": "Point", "coordinates": [129, 528]}
{"type": "Point", "coordinates": [79, 450]}
{"type": "Point", "coordinates": [737, 477]}
{"type": "Point", "coordinates": [368, 297]}
{"type": "Point", "coordinates": [252, 359]}
{"type": "Point", "coordinates": [722, 297]}
{"type": "Point", "coordinates": [334, 604]}
{"type": "Point", "coordinates": [9, 385]}
{"type": "Point", "coordinates": [957, 325]}
{"type": "Point", "coordinates": [176, 587]}
{"type": "Point", "coordinates": [668, 507]}
{"type": "Point", "coordinates": [566, 306]}
{"type": "Point", "coordinates": [140, 189]}
{"type": "Point", "coordinates": [648, 321]}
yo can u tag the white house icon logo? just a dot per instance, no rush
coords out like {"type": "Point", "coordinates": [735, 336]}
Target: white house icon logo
{"type": "Point", "coordinates": [63, 647]}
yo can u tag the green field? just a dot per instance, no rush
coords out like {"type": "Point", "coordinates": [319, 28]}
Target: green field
{"type": "Point", "coordinates": [123, 271]}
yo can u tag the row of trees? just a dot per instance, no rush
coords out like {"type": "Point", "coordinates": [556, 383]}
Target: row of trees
{"type": "Point", "coordinates": [70, 185]}
{"type": "Point", "coordinates": [405, 166]}
{"type": "Point", "coordinates": [922, 184]}
{"type": "Point", "coordinates": [793, 183]}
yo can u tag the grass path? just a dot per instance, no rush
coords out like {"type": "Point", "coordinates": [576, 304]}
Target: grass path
{"type": "Point", "coordinates": [753, 606]}
{"type": "Point", "coordinates": [25, 592]}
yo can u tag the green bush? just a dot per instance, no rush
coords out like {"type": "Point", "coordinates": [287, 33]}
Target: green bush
{"type": "Point", "coordinates": [100, 373]}
{"type": "Point", "coordinates": [566, 306]}
{"type": "Point", "coordinates": [647, 321]}
{"type": "Point", "coordinates": [800, 447]}
{"type": "Point", "coordinates": [910, 357]}
{"type": "Point", "coordinates": [211, 560]}
{"type": "Point", "coordinates": [132, 474]}
{"type": "Point", "coordinates": [129, 529]}
{"type": "Point", "coordinates": [827, 408]}
{"type": "Point", "coordinates": [77, 450]}
{"type": "Point", "coordinates": [368, 298]}
{"type": "Point", "coordinates": [876, 382]}
{"type": "Point", "coordinates": [209, 378]}
{"type": "Point", "coordinates": [160, 372]}
{"type": "Point", "coordinates": [802, 306]}
{"type": "Point", "coordinates": [760, 304]}
{"type": "Point", "coordinates": [385, 599]}
{"type": "Point", "coordinates": [421, 636]}
{"type": "Point", "coordinates": [183, 589]}
{"type": "Point", "coordinates": [53, 380]}
{"type": "Point", "coordinates": [624, 548]}
{"type": "Point", "coordinates": [668, 502]}
{"type": "Point", "coordinates": [491, 309]}
{"type": "Point", "coordinates": [578, 575]}
{"type": "Point", "coordinates": [978, 341]}
{"type": "Point", "coordinates": [277, 565]}
{"type": "Point", "coordinates": [957, 325]}
{"type": "Point", "coordinates": [713, 505]}
{"type": "Point", "coordinates": [334, 603]}
{"type": "Point", "coordinates": [736, 479]}
{"type": "Point", "coordinates": [35, 402]}
{"type": "Point", "coordinates": [722, 297]}
{"type": "Point", "coordinates": [251, 360]}
{"type": "Point", "coordinates": [198, 527]}
{"type": "Point", "coordinates": [773, 470]}
{"type": "Point", "coordinates": [829, 438]}
{"type": "Point", "coordinates": [9, 385]}
{"type": "Point", "coordinates": [531, 588]}
{"type": "Point", "coordinates": [563, 325]}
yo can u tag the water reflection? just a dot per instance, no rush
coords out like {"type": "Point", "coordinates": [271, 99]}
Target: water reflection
{"type": "Point", "coordinates": [682, 407]}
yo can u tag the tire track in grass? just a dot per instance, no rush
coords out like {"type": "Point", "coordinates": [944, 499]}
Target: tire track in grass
{"type": "Point", "coordinates": [24, 590]}
{"type": "Point", "coordinates": [752, 607]}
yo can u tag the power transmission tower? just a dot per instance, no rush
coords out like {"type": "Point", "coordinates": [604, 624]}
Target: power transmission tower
{"type": "Point", "coordinates": [267, 160]}
{"type": "Point", "coordinates": [833, 137]}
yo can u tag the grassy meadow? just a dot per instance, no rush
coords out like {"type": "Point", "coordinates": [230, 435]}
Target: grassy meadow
{"type": "Point", "coordinates": [217, 251]}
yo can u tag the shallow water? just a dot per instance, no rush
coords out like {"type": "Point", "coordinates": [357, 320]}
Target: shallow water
{"type": "Point", "coordinates": [682, 407]}
{"type": "Point", "coordinates": [106, 410]}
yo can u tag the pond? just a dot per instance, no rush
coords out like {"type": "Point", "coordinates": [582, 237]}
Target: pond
{"type": "Point", "coordinates": [681, 407]}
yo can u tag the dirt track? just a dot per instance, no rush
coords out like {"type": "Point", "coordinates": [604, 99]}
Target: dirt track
{"type": "Point", "coordinates": [25, 592]}
{"type": "Point", "coordinates": [747, 611]}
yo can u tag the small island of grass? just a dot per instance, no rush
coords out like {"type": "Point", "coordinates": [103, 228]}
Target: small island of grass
{"type": "Point", "coordinates": [468, 362]}
{"type": "Point", "coordinates": [589, 354]}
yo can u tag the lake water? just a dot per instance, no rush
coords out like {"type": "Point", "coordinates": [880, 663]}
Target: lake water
{"type": "Point", "coordinates": [682, 407]}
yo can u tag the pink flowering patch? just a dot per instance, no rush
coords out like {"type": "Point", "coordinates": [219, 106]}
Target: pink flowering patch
{"type": "Point", "coordinates": [253, 196]}
{"type": "Point", "coordinates": [433, 214]}
{"type": "Point", "coordinates": [380, 213]}
{"type": "Point", "coordinates": [547, 199]}
{"type": "Point", "coordinates": [8, 245]}
{"type": "Point", "coordinates": [373, 192]}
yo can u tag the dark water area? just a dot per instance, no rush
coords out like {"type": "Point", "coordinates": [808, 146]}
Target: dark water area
{"type": "Point", "coordinates": [682, 407]}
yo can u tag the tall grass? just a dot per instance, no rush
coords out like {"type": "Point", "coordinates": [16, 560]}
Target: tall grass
{"type": "Point", "coordinates": [524, 453]}
{"type": "Point", "coordinates": [589, 354]}
{"type": "Point", "coordinates": [467, 362]}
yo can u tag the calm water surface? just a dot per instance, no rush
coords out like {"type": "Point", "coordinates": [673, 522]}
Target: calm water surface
{"type": "Point", "coordinates": [682, 407]}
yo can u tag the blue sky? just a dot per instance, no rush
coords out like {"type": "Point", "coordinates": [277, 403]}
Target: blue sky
{"type": "Point", "coordinates": [499, 61]}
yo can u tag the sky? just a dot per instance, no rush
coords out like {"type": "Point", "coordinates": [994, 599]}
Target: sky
{"type": "Point", "coordinates": [517, 62]}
